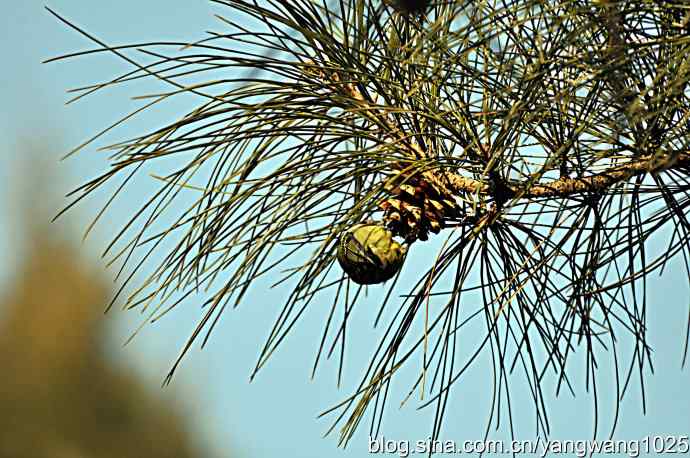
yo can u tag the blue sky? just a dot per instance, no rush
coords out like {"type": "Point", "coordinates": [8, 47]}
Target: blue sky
{"type": "Point", "coordinates": [275, 415]}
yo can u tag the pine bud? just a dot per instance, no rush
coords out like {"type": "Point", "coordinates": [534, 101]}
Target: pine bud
{"type": "Point", "coordinates": [369, 255]}
{"type": "Point", "coordinates": [409, 6]}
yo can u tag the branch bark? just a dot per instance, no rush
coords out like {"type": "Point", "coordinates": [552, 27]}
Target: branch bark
{"type": "Point", "coordinates": [566, 186]}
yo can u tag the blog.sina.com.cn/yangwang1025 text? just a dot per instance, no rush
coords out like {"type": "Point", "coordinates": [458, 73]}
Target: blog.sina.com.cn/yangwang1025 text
{"type": "Point", "coordinates": [581, 448]}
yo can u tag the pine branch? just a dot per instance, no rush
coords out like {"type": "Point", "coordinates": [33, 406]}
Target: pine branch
{"type": "Point", "coordinates": [453, 184]}
{"type": "Point", "coordinates": [551, 136]}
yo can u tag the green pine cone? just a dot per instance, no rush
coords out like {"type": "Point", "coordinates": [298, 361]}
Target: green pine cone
{"type": "Point", "coordinates": [369, 255]}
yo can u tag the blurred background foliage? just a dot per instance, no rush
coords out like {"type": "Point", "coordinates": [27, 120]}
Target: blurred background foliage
{"type": "Point", "coordinates": [60, 395]}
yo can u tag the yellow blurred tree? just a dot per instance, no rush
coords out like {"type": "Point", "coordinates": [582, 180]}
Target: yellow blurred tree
{"type": "Point", "coordinates": [59, 396]}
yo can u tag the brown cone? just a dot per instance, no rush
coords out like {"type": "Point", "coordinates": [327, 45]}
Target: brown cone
{"type": "Point", "coordinates": [417, 207]}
